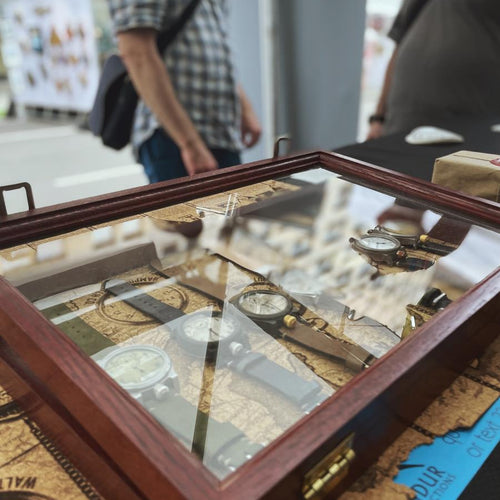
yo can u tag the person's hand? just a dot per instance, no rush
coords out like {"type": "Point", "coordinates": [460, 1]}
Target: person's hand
{"type": "Point", "coordinates": [375, 131]}
{"type": "Point", "coordinates": [197, 158]}
{"type": "Point", "coordinates": [250, 126]}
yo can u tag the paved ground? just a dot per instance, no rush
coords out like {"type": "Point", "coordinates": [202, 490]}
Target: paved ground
{"type": "Point", "coordinates": [61, 162]}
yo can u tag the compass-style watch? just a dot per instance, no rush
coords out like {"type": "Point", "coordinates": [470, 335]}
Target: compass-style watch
{"type": "Point", "coordinates": [146, 372]}
{"type": "Point", "coordinates": [276, 314]}
{"type": "Point", "coordinates": [205, 333]}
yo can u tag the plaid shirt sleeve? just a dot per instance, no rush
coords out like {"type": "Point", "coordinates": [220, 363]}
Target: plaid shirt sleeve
{"type": "Point", "coordinates": [130, 14]}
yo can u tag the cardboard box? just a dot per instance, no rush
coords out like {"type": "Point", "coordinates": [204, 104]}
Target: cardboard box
{"type": "Point", "coordinates": [470, 172]}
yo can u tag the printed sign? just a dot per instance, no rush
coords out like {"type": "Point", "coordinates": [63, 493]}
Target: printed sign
{"type": "Point", "coordinates": [57, 63]}
{"type": "Point", "coordinates": [443, 469]}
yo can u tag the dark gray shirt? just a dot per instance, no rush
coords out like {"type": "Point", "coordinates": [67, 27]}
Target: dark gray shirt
{"type": "Point", "coordinates": [448, 62]}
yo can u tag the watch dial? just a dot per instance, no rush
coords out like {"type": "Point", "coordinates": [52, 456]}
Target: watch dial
{"type": "Point", "coordinates": [136, 366]}
{"type": "Point", "coordinates": [379, 242]}
{"type": "Point", "coordinates": [206, 328]}
{"type": "Point", "coordinates": [264, 304]}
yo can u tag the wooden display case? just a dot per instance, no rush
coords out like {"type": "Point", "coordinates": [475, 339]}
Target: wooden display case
{"type": "Point", "coordinates": [317, 227]}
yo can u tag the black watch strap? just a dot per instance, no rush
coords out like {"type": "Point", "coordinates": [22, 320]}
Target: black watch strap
{"type": "Point", "coordinates": [224, 445]}
{"type": "Point", "coordinates": [143, 302]}
{"type": "Point", "coordinates": [304, 393]}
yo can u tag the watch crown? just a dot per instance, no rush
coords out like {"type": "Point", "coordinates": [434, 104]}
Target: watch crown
{"type": "Point", "coordinates": [289, 321]}
{"type": "Point", "coordinates": [235, 348]}
{"type": "Point", "coordinates": [161, 391]}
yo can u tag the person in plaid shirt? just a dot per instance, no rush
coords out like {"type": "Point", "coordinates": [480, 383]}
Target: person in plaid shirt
{"type": "Point", "coordinates": [193, 116]}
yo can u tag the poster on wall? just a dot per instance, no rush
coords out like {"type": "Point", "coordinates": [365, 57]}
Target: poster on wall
{"type": "Point", "coordinates": [57, 67]}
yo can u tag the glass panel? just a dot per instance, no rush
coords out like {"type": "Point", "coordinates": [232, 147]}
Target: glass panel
{"type": "Point", "coordinates": [232, 316]}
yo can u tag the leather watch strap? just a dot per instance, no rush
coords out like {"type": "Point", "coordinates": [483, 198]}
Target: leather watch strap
{"type": "Point", "coordinates": [304, 393]}
{"type": "Point", "coordinates": [90, 272]}
{"type": "Point", "coordinates": [145, 303]}
{"type": "Point", "coordinates": [225, 446]}
{"type": "Point", "coordinates": [445, 237]}
{"type": "Point", "coordinates": [208, 287]}
{"type": "Point", "coordinates": [355, 357]}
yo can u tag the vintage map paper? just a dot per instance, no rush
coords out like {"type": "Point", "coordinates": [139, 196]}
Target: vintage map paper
{"type": "Point", "coordinates": [31, 467]}
{"type": "Point", "coordinates": [458, 407]}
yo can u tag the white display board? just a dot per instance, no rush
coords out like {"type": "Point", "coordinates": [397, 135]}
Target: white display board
{"type": "Point", "coordinates": [57, 62]}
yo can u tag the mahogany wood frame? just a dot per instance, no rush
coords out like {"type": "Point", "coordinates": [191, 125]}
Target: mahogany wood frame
{"type": "Point", "coordinates": [81, 409]}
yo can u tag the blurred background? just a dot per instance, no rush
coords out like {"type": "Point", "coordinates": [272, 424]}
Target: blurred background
{"type": "Point", "coordinates": [313, 71]}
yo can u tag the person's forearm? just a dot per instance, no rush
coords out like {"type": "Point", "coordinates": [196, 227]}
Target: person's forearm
{"type": "Point", "coordinates": [382, 102]}
{"type": "Point", "coordinates": [152, 82]}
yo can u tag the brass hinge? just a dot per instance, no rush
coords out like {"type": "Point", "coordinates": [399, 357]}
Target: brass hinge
{"type": "Point", "coordinates": [323, 478]}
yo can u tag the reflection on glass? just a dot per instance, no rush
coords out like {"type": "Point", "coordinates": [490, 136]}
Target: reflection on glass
{"type": "Point", "coordinates": [230, 317]}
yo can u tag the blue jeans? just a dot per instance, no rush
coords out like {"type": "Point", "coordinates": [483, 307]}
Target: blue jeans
{"type": "Point", "coordinates": [162, 160]}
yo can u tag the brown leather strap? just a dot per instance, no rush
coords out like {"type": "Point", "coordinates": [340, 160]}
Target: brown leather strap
{"type": "Point", "coordinates": [88, 273]}
{"type": "Point", "coordinates": [355, 357]}
{"type": "Point", "coordinates": [451, 231]}
{"type": "Point", "coordinates": [201, 283]}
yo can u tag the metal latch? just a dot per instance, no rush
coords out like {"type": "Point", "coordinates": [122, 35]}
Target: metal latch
{"type": "Point", "coordinates": [323, 478]}
{"type": "Point", "coordinates": [21, 185]}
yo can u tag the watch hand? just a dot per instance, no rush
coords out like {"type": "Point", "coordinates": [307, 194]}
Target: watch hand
{"type": "Point", "coordinates": [270, 304]}
{"type": "Point", "coordinates": [215, 334]}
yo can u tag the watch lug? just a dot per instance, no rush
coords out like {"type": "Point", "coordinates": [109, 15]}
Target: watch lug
{"type": "Point", "coordinates": [173, 381]}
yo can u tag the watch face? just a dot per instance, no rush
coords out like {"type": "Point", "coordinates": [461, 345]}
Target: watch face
{"type": "Point", "coordinates": [137, 367]}
{"type": "Point", "coordinates": [207, 328]}
{"type": "Point", "coordinates": [264, 304]}
{"type": "Point", "coordinates": [379, 243]}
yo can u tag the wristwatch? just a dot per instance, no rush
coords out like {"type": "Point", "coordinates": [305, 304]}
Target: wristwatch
{"type": "Point", "coordinates": [146, 372]}
{"type": "Point", "coordinates": [212, 334]}
{"type": "Point", "coordinates": [407, 250]}
{"type": "Point", "coordinates": [379, 247]}
{"type": "Point", "coordinates": [276, 314]}
{"type": "Point", "coordinates": [405, 235]}
{"type": "Point", "coordinates": [418, 241]}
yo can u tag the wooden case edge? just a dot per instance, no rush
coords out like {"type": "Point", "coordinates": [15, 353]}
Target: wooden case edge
{"type": "Point", "coordinates": [276, 471]}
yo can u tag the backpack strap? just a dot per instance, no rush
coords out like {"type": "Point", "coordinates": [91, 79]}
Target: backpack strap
{"type": "Point", "coordinates": [167, 36]}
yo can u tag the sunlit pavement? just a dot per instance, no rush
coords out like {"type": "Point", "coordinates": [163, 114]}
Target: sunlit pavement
{"type": "Point", "coordinates": [61, 162]}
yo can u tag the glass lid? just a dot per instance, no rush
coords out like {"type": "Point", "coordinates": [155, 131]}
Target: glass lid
{"type": "Point", "coordinates": [231, 317]}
